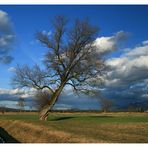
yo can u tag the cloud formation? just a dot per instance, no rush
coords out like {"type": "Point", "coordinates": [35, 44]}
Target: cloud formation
{"type": "Point", "coordinates": [128, 75]}
{"type": "Point", "coordinates": [131, 66]}
{"type": "Point", "coordinates": [126, 81]}
{"type": "Point", "coordinates": [108, 44]}
{"type": "Point", "coordinates": [15, 94]}
{"type": "Point", "coordinates": [7, 38]}
{"type": "Point", "coordinates": [11, 69]}
{"type": "Point", "coordinates": [10, 98]}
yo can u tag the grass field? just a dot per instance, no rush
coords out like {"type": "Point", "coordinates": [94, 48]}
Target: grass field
{"type": "Point", "coordinates": [77, 127]}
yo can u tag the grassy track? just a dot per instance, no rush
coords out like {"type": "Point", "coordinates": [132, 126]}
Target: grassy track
{"type": "Point", "coordinates": [78, 127]}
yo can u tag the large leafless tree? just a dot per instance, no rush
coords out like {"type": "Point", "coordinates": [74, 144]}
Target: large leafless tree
{"type": "Point", "coordinates": [72, 59]}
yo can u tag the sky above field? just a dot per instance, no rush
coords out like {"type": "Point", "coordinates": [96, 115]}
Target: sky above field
{"type": "Point", "coordinates": [123, 35]}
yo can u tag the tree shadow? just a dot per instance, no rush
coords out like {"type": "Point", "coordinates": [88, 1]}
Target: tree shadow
{"type": "Point", "coordinates": [6, 137]}
{"type": "Point", "coordinates": [101, 117]}
{"type": "Point", "coordinates": [61, 118]}
{"type": "Point", "coordinates": [69, 117]}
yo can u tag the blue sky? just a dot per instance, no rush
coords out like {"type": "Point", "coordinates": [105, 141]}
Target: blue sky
{"type": "Point", "coordinates": [25, 20]}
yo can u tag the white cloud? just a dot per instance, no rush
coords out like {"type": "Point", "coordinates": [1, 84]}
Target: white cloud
{"type": "Point", "coordinates": [114, 82]}
{"type": "Point", "coordinates": [11, 69]}
{"type": "Point", "coordinates": [7, 91]}
{"type": "Point", "coordinates": [7, 37]}
{"type": "Point", "coordinates": [17, 92]}
{"type": "Point", "coordinates": [5, 40]}
{"type": "Point", "coordinates": [138, 51]}
{"type": "Point", "coordinates": [5, 22]}
{"type": "Point", "coordinates": [108, 44]}
{"type": "Point", "coordinates": [105, 44]}
{"type": "Point", "coordinates": [48, 33]}
{"type": "Point", "coordinates": [145, 42]}
{"type": "Point", "coordinates": [114, 62]}
{"type": "Point", "coordinates": [130, 68]}
{"type": "Point", "coordinates": [10, 97]}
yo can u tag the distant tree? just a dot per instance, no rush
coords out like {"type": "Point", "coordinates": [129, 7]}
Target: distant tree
{"type": "Point", "coordinates": [21, 103]}
{"type": "Point", "coordinates": [2, 109]}
{"type": "Point", "coordinates": [72, 59]}
{"type": "Point", "coordinates": [106, 104]}
{"type": "Point", "coordinates": [136, 107]}
{"type": "Point", "coordinates": [30, 107]}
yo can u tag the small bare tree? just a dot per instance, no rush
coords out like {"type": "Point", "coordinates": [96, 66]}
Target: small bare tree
{"type": "Point", "coordinates": [21, 103]}
{"type": "Point", "coordinates": [72, 59]}
{"type": "Point", "coordinates": [105, 103]}
{"type": "Point", "coordinates": [2, 108]}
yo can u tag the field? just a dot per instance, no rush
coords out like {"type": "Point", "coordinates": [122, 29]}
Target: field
{"type": "Point", "coordinates": [77, 127]}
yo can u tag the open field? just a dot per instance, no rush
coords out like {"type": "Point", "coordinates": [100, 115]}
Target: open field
{"type": "Point", "coordinates": [77, 127]}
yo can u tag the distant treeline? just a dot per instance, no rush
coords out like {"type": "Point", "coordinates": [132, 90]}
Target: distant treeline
{"type": "Point", "coordinates": [5, 109]}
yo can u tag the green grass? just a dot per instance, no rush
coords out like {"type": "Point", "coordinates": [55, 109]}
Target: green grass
{"type": "Point", "coordinates": [80, 117]}
{"type": "Point", "coordinates": [19, 117]}
{"type": "Point", "coordinates": [109, 127]}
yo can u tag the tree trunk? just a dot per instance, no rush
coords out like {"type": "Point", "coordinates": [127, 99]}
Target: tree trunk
{"type": "Point", "coordinates": [43, 114]}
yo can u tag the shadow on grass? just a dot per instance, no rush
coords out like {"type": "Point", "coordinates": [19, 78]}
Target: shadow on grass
{"type": "Point", "coordinates": [81, 118]}
{"type": "Point", "coordinates": [7, 137]}
{"type": "Point", "coordinates": [61, 118]}
{"type": "Point", "coordinates": [101, 117]}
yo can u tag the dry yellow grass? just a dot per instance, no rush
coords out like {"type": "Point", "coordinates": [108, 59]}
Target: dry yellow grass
{"type": "Point", "coordinates": [78, 128]}
{"type": "Point", "coordinates": [32, 133]}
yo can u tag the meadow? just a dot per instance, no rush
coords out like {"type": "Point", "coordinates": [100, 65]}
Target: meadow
{"type": "Point", "coordinates": [77, 127]}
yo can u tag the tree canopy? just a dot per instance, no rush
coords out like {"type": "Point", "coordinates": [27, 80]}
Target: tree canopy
{"type": "Point", "coordinates": [72, 59]}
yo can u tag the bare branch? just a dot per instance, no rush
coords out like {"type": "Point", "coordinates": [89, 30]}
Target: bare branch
{"type": "Point", "coordinates": [71, 59]}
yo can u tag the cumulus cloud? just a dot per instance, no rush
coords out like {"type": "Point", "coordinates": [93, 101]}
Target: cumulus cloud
{"type": "Point", "coordinates": [5, 23]}
{"type": "Point", "coordinates": [108, 44]}
{"type": "Point", "coordinates": [16, 93]}
{"type": "Point", "coordinates": [7, 91]}
{"type": "Point", "coordinates": [7, 38]}
{"type": "Point", "coordinates": [9, 98]}
{"type": "Point", "coordinates": [138, 51]}
{"type": "Point", "coordinates": [132, 66]}
{"type": "Point", "coordinates": [145, 42]}
{"type": "Point", "coordinates": [127, 78]}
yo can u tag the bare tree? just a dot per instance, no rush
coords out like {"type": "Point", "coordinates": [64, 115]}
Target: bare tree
{"type": "Point", "coordinates": [21, 103]}
{"type": "Point", "coordinates": [105, 103]}
{"type": "Point", "coordinates": [30, 108]}
{"type": "Point", "coordinates": [2, 108]}
{"type": "Point", "coordinates": [72, 59]}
